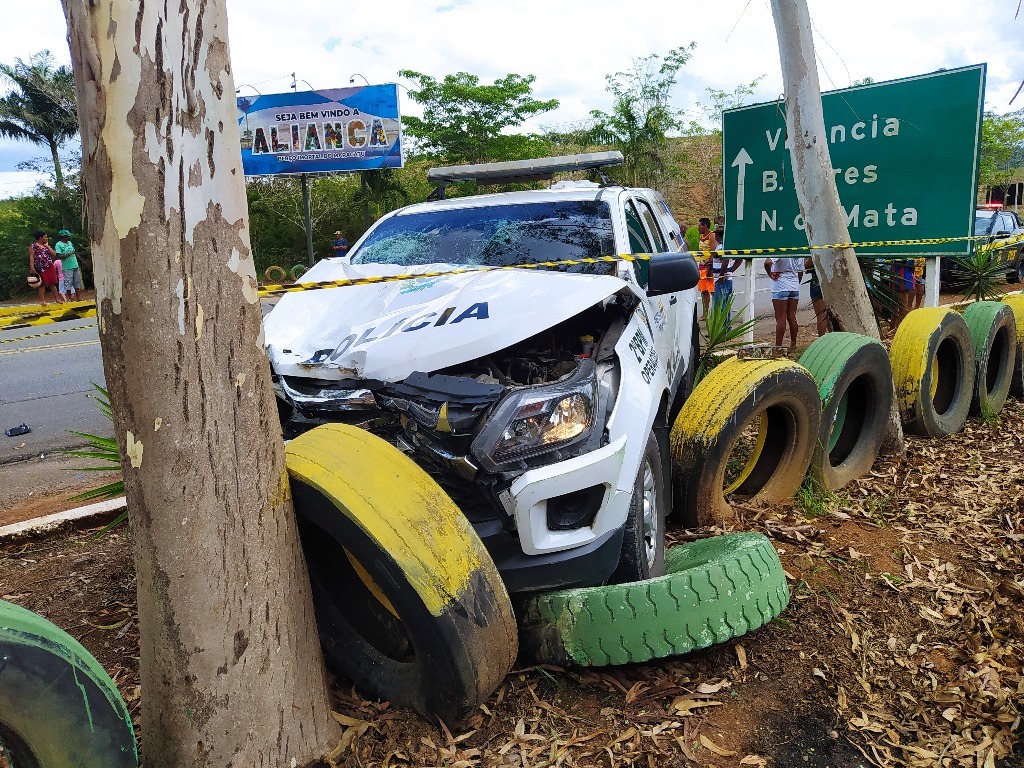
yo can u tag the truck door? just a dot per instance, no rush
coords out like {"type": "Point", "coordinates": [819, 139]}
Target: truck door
{"type": "Point", "coordinates": [645, 236]}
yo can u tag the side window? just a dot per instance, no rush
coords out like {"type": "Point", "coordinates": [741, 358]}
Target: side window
{"type": "Point", "coordinates": [652, 226]}
{"type": "Point", "coordinates": [1006, 223]}
{"type": "Point", "coordinates": [638, 241]}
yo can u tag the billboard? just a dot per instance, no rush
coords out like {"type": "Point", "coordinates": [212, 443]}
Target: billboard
{"type": "Point", "coordinates": [904, 156]}
{"type": "Point", "coordinates": [341, 129]}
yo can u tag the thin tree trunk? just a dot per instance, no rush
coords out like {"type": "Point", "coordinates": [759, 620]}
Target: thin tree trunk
{"type": "Point", "coordinates": [842, 283]}
{"type": "Point", "coordinates": [62, 191]}
{"type": "Point", "coordinates": [230, 660]}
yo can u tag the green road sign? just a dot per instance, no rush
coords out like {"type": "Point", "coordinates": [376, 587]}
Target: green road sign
{"type": "Point", "coordinates": [904, 156]}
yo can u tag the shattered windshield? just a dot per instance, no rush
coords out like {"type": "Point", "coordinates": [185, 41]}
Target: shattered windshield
{"type": "Point", "coordinates": [495, 236]}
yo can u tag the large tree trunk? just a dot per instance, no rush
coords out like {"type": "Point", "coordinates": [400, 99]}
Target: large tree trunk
{"type": "Point", "coordinates": [230, 660]}
{"type": "Point", "coordinates": [842, 283]}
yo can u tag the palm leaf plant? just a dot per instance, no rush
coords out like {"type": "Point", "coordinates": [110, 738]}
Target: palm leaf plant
{"type": "Point", "coordinates": [104, 450]}
{"type": "Point", "coordinates": [979, 275]}
{"type": "Point", "coordinates": [721, 333]}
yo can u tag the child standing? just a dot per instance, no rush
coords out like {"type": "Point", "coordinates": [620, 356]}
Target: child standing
{"type": "Point", "coordinates": [61, 286]}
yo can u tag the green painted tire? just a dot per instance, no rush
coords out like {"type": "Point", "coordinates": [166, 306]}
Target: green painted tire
{"type": "Point", "coordinates": [854, 381]}
{"type": "Point", "coordinates": [782, 398]}
{"type": "Point", "coordinates": [298, 271]}
{"type": "Point", "coordinates": [58, 707]}
{"type": "Point", "coordinates": [1016, 304]}
{"type": "Point", "coordinates": [994, 334]}
{"type": "Point", "coordinates": [715, 589]}
{"type": "Point", "coordinates": [409, 604]}
{"type": "Point", "coordinates": [932, 358]}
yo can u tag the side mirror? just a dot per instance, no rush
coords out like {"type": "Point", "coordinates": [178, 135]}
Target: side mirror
{"type": "Point", "coordinates": [671, 272]}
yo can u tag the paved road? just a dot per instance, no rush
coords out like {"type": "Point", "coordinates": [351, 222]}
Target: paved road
{"type": "Point", "coordinates": [47, 384]}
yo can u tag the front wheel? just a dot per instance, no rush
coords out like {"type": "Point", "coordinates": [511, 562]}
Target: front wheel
{"type": "Point", "coordinates": [643, 542]}
{"type": "Point", "coordinates": [1019, 272]}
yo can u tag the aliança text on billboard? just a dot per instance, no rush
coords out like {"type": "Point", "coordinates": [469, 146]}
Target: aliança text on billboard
{"type": "Point", "coordinates": [340, 129]}
{"type": "Point", "coordinates": [904, 158]}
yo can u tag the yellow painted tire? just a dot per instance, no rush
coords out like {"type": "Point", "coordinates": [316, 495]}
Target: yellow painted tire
{"type": "Point", "coordinates": [409, 604]}
{"type": "Point", "coordinates": [275, 274]}
{"type": "Point", "coordinates": [782, 396]}
{"type": "Point", "coordinates": [932, 359]}
{"type": "Point", "coordinates": [1016, 304]}
{"type": "Point", "coordinates": [994, 334]}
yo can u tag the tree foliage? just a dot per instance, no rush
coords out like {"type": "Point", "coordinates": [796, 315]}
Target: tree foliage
{"type": "Point", "coordinates": [465, 121]}
{"type": "Point", "coordinates": [1002, 148]}
{"type": "Point", "coordinates": [702, 164]}
{"type": "Point", "coordinates": [40, 108]}
{"type": "Point", "coordinates": [641, 116]}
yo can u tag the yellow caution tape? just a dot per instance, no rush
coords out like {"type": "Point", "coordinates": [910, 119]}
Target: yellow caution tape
{"type": "Point", "coordinates": [88, 309]}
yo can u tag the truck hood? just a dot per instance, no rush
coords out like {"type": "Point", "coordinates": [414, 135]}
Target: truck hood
{"type": "Point", "coordinates": [388, 330]}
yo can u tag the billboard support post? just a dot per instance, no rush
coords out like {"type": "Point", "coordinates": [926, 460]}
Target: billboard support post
{"type": "Point", "coordinates": [307, 218]}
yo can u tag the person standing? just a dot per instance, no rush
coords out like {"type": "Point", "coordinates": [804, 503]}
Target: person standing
{"type": "Point", "coordinates": [40, 264]}
{"type": "Point", "coordinates": [821, 318]}
{"type": "Point", "coordinates": [918, 283]}
{"type": "Point", "coordinates": [340, 245]}
{"type": "Point", "coordinates": [723, 267]}
{"type": "Point", "coordinates": [69, 263]}
{"type": "Point", "coordinates": [785, 275]}
{"type": "Point", "coordinates": [707, 244]}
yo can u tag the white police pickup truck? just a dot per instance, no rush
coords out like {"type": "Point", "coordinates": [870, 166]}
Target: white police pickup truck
{"type": "Point", "coordinates": [539, 398]}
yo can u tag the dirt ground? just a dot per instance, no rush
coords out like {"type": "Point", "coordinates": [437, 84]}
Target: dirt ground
{"type": "Point", "coordinates": [903, 643]}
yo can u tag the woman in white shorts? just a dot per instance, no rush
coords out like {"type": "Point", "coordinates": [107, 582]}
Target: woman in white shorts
{"type": "Point", "coordinates": [785, 275]}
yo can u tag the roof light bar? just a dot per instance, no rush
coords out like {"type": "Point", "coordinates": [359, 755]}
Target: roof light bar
{"type": "Point", "coordinates": [518, 171]}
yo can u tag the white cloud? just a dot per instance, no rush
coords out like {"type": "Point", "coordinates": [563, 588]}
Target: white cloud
{"type": "Point", "coordinates": [571, 45]}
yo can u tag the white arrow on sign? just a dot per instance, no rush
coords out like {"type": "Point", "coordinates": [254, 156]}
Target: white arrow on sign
{"type": "Point", "coordinates": [742, 160]}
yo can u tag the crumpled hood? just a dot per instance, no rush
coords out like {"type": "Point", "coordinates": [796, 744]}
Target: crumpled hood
{"type": "Point", "coordinates": [386, 331]}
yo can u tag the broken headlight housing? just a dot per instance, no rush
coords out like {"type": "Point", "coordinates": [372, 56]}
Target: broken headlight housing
{"type": "Point", "coordinates": [539, 420]}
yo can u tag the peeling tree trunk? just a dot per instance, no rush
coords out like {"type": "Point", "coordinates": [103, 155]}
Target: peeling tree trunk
{"type": "Point", "coordinates": [842, 284]}
{"type": "Point", "coordinates": [230, 660]}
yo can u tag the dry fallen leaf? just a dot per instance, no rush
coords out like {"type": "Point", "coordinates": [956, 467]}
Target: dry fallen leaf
{"type": "Point", "coordinates": [709, 744]}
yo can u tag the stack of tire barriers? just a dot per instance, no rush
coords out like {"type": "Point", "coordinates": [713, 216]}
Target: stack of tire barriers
{"type": "Point", "coordinates": [411, 608]}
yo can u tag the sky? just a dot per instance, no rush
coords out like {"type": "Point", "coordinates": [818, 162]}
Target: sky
{"type": "Point", "coordinates": [571, 45]}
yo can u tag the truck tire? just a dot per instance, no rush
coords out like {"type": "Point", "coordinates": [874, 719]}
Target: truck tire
{"type": "Point", "coordinates": [715, 589]}
{"type": "Point", "coordinates": [1016, 304]}
{"type": "Point", "coordinates": [408, 602]}
{"type": "Point", "coordinates": [778, 394]}
{"type": "Point", "coordinates": [932, 360]}
{"type": "Point", "coordinates": [58, 707]}
{"type": "Point", "coordinates": [643, 541]}
{"type": "Point", "coordinates": [994, 335]}
{"type": "Point", "coordinates": [854, 381]}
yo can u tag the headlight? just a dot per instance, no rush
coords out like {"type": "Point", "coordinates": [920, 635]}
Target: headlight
{"type": "Point", "coordinates": [540, 419]}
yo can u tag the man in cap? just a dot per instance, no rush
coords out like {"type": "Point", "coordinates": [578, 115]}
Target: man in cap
{"type": "Point", "coordinates": [69, 263]}
{"type": "Point", "coordinates": [340, 244]}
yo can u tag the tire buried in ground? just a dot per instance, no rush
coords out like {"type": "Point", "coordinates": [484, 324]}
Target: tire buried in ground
{"type": "Point", "coordinates": [715, 589]}
{"type": "Point", "coordinates": [1016, 304]}
{"type": "Point", "coordinates": [994, 335]}
{"type": "Point", "coordinates": [854, 381]}
{"type": "Point", "coordinates": [58, 707]}
{"type": "Point", "coordinates": [778, 400]}
{"type": "Point", "coordinates": [932, 360]}
{"type": "Point", "coordinates": [408, 602]}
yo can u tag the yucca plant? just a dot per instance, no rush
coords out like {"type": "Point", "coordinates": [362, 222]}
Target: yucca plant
{"type": "Point", "coordinates": [105, 450]}
{"type": "Point", "coordinates": [979, 275]}
{"type": "Point", "coordinates": [721, 333]}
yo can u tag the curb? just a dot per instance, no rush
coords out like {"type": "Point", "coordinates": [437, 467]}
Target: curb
{"type": "Point", "coordinates": [51, 523]}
